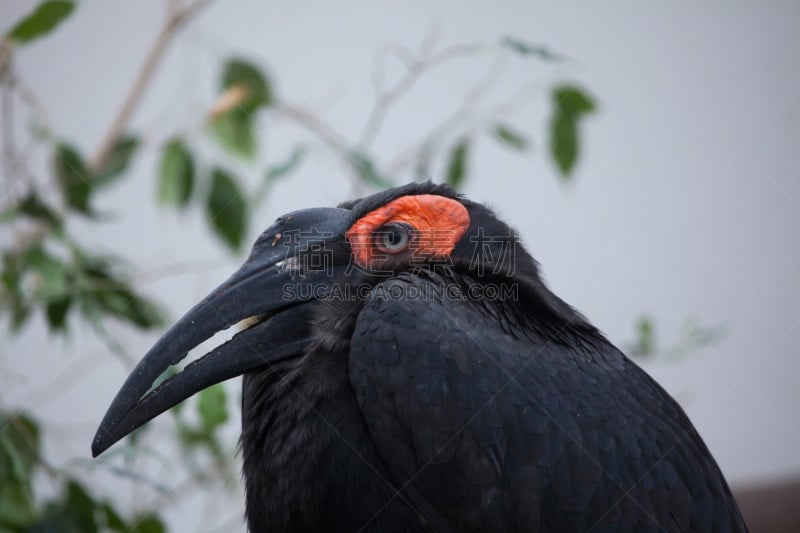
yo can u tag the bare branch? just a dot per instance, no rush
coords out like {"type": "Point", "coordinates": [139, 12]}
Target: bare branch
{"type": "Point", "coordinates": [314, 125]}
{"type": "Point", "coordinates": [467, 113]}
{"type": "Point", "coordinates": [5, 52]}
{"type": "Point", "coordinates": [178, 269]}
{"type": "Point", "coordinates": [416, 66]}
{"type": "Point", "coordinates": [175, 20]}
{"type": "Point", "coordinates": [327, 134]}
{"type": "Point", "coordinates": [7, 124]}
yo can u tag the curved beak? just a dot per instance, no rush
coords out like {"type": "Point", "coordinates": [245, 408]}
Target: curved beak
{"type": "Point", "coordinates": [293, 251]}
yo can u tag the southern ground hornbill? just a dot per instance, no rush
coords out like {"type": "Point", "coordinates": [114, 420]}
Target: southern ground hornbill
{"type": "Point", "coordinates": [405, 368]}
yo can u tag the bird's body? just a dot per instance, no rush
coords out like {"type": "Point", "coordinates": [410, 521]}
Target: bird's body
{"type": "Point", "coordinates": [449, 392]}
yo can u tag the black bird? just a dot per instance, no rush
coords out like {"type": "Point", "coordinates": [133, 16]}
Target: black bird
{"type": "Point", "coordinates": [405, 368]}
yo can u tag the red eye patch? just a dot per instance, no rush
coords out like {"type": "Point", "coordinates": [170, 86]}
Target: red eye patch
{"type": "Point", "coordinates": [438, 223]}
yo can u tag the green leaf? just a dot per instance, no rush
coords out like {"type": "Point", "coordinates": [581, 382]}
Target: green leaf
{"type": "Point", "coordinates": [16, 506]}
{"type": "Point", "coordinates": [176, 176]}
{"type": "Point", "coordinates": [570, 105]}
{"type": "Point", "coordinates": [56, 311]}
{"type": "Point", "coordinates": [149, 523]}
{"type": "Point", "coordinates": [107, 294]}
{"type": "Point", "coordinates": [193, 437]}
{"type": "Point", "coordinates": [366, 170]}
{"type": "Point", "coordinates": [117, 161]}
{"type": "Point", "coordinates": [564, 142]}
{"type": "Point", "coordinates": [42, 21]}
{"type": "Point", "coordinates": [226, 209]}
{"type": "Point", "coordinates": [510, 137]}
{"type": "Point", "coordinates": [234, 131]}
{"type": "Point", "coordinates": [571, 99]}
{"type": "Point", "coordinates": [19, 451]}
{"type": "Point", "coordinates": [14, 297]}
{"type": "Point", "coordinates": [12, 464]}
{"type": "Point", "coordinates": [211, 407]}
{"type": "Point", "coordinates": [20, 440]}
{"type": "Point", "coordinates": [278, 171]}
{"type": "Point", "coordinates": [244, 74]}
{"type": "Point", "coordinates": [73, 178]}
{"type": "Point", "coordinates": [645, 337]}
{"type": "Point", "coordinates": [80, 508]}
{"type": "Point", "coordinates": [126, 305]}
{"type": "Point", "coordinates": [282, 169]}
{"type": "Point", "coordinates": [52, 273]}
{"type": "Point", "coordinates": [113, 520]}
{"type": "Point", "coordinates": [526, 49]}
{"type": "Point", "coordinates": [34, 207]}
{"type": "Point", "coordinates": [457, 165]}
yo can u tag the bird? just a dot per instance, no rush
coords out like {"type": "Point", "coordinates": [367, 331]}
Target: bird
{"type": "Point", "coordinates": [405, 368]}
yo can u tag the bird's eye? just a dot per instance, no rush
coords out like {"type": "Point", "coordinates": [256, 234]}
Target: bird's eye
{"type": "Point", "coordinates": [393, 237]}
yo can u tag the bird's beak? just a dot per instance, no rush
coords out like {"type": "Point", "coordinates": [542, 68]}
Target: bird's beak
{"type": "Point", "coordinates": [266, 286]}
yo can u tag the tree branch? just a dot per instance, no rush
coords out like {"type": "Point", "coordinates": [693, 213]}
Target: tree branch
{"type": "Point", "coordinates": [7, 124]}
{"type": "Point", "coordinates": [466, 113]}
{"type": "Point", "coordinates": [314, 125]}
{"type": "Point", "coordinates": [5, 52]}
{"type": "Point", "coordinates": [415, 66]}
{"type": "Point", "coordinates": [175, 20]}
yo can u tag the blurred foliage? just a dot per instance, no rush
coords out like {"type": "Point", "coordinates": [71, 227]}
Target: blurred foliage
{"type": "Point", "coordinates": [176, 175]}
{"type": "Point", "coordinates": [46, 269]}
{"type": "Point", "coordinates": [570, 105]}
{"type": "Point", "coordinates": [645, 337]}
{"type": "Point", "coordinates": [19, 449]}
{"type": "Point", "coordinates": [78, 183]}
{"type": "Point", "coordinates": [693, 336]}
{"type": "Point", "coordinates": [457, 166]}
{"type": "Point", "coordinates": [528, 49]}
{"type": "Point", "coordinates": [227, 208]}
{"type": "Point", "coordinates": [366, 170]}
{"type": "Point", "coordinates": [117, 161]}
{"type": "Point", "coordinates": [41, 21]}
{"type": "Point", "coordinates": [74, 511]}
{"type": "Point", "coordinates": [52, 272]}
{"type": "Point", "coordinates": [244, 90]}
{"type": "Point", "coordinates": [510, 137]}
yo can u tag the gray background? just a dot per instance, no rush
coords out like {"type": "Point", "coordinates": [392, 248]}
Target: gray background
{"type": "Point", "coordinates": [686, 201]}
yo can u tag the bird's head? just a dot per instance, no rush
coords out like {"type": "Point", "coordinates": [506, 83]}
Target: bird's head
{"type": "Point", "coordinates": [312, 256]}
